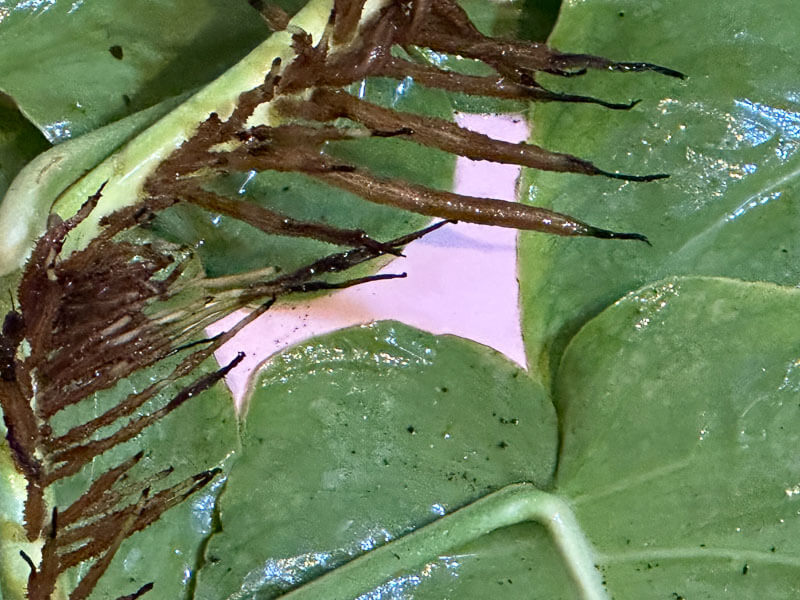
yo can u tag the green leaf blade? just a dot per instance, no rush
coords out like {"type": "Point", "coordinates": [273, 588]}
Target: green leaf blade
{"type": "Point", "coordinates": [57, 62]}
{"type": "Point", "coordinates": [358, 437]}
{"type": "Point", "coordinates": [681, 421]}
{"type": "Point", "coordinates": [727, 136]}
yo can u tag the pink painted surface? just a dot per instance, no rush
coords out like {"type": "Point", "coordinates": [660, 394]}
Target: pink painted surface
{"type": "Point", "coordinates": [462, 279]}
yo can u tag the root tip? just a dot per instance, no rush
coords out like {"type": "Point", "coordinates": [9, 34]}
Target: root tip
{"type": "Point", "coordinates": [639, 178]}
{"type": "Point", "coordinates": [607, 234]}
{"type": "Point", "coordinates": [644, 66]}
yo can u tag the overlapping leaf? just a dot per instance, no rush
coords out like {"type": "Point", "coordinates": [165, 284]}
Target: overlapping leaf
{"type": "Point", "coordinates": [681, 428]}
{"type": "Point", "coordinates": [360, 436]}
{"type": "Point", "coordinates": [74, 66]}
{"type": "Point", "coordinates": [728, 136]}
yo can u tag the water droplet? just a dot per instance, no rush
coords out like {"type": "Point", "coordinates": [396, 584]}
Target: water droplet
{"type": "Point", "coordinates": [58, 131]}
{"type": "Point", "coordinates": [793, 491]}
{"type": "Point", "coordinates": [791, 380]}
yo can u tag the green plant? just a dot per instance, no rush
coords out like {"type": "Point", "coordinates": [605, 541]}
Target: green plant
{"type": "Point", "coordinates": [679, 400]}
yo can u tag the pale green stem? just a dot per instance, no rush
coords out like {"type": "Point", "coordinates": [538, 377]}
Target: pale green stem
{"type": "Point", "coordinates": [27, 202]}
{"type": "Point", "coordinates": [127, 169]}
{"type": "Point", "coordinates": [511, 505]}
{"type": "Point", "coordinates": [26, 205]}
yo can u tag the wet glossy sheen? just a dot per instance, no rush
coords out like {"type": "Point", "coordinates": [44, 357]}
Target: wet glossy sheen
{"type": "Point", "coordinates": [355, 438]}
{"type": "Point", "coordinates": [728, 135]}
{"type": "Point", "coordinates": [680, 439]}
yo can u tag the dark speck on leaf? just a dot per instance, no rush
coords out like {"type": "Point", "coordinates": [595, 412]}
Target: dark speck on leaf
{"type": "Point", "coordinates": [745, 569]}
{"type": "Point", "coordinates": [503, 445]}
{"type": "Point", "coordinates": [116, 52]}
{"type": "Point", "coordinates": [410, 429]}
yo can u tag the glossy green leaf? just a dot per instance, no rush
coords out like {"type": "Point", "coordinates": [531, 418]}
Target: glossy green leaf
{"type": "Point", "coordinates": [360, 436]}
{"type": "Point", "coordinates": [73, 66]}
{"type": "Point", "coordinates": [728, 136]}
{"type": "Point", "coordinates": [513, 563]}
{"type": "Point", "coordinates": [681, 428]}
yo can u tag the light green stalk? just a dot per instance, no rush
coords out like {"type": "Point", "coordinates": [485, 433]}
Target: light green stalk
{"type": "Point", "coordinates": [517, 503]}
{"type": "Point", "coordinates": [24, 210]}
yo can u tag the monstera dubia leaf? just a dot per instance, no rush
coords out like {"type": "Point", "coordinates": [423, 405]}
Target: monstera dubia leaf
{"type": "Point", "coordinates": [728, 135]}
{"type": "Point", "coordinates": [679, 416]}
{"type": "Point", "coordinates": [75, 66]}
{"type": "Point", "coordinates": [361, 436]}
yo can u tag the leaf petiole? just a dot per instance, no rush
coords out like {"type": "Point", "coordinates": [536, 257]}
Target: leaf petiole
{"type": "Point", "coordinates": [511, 505]}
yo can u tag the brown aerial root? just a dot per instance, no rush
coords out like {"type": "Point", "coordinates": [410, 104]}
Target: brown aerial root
{"type": "Point", "coordinates": [307, 93]}
{"type": "Point", "coordinates": [125, 310]}
{"type": "Point", "coordinates": [327, 105]}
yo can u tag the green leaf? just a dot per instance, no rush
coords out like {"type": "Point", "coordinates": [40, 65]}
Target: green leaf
{"type": "Point", "coordinates": [360, 436]}
{"type": "Point", "coordinates": [728, 136]}
{"type": "Point", "coordinates": [73, 66]}
{"type": "Point", "coordinates": [513, 563]}
{"type": "Point", "coordinates": [681, 425]}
